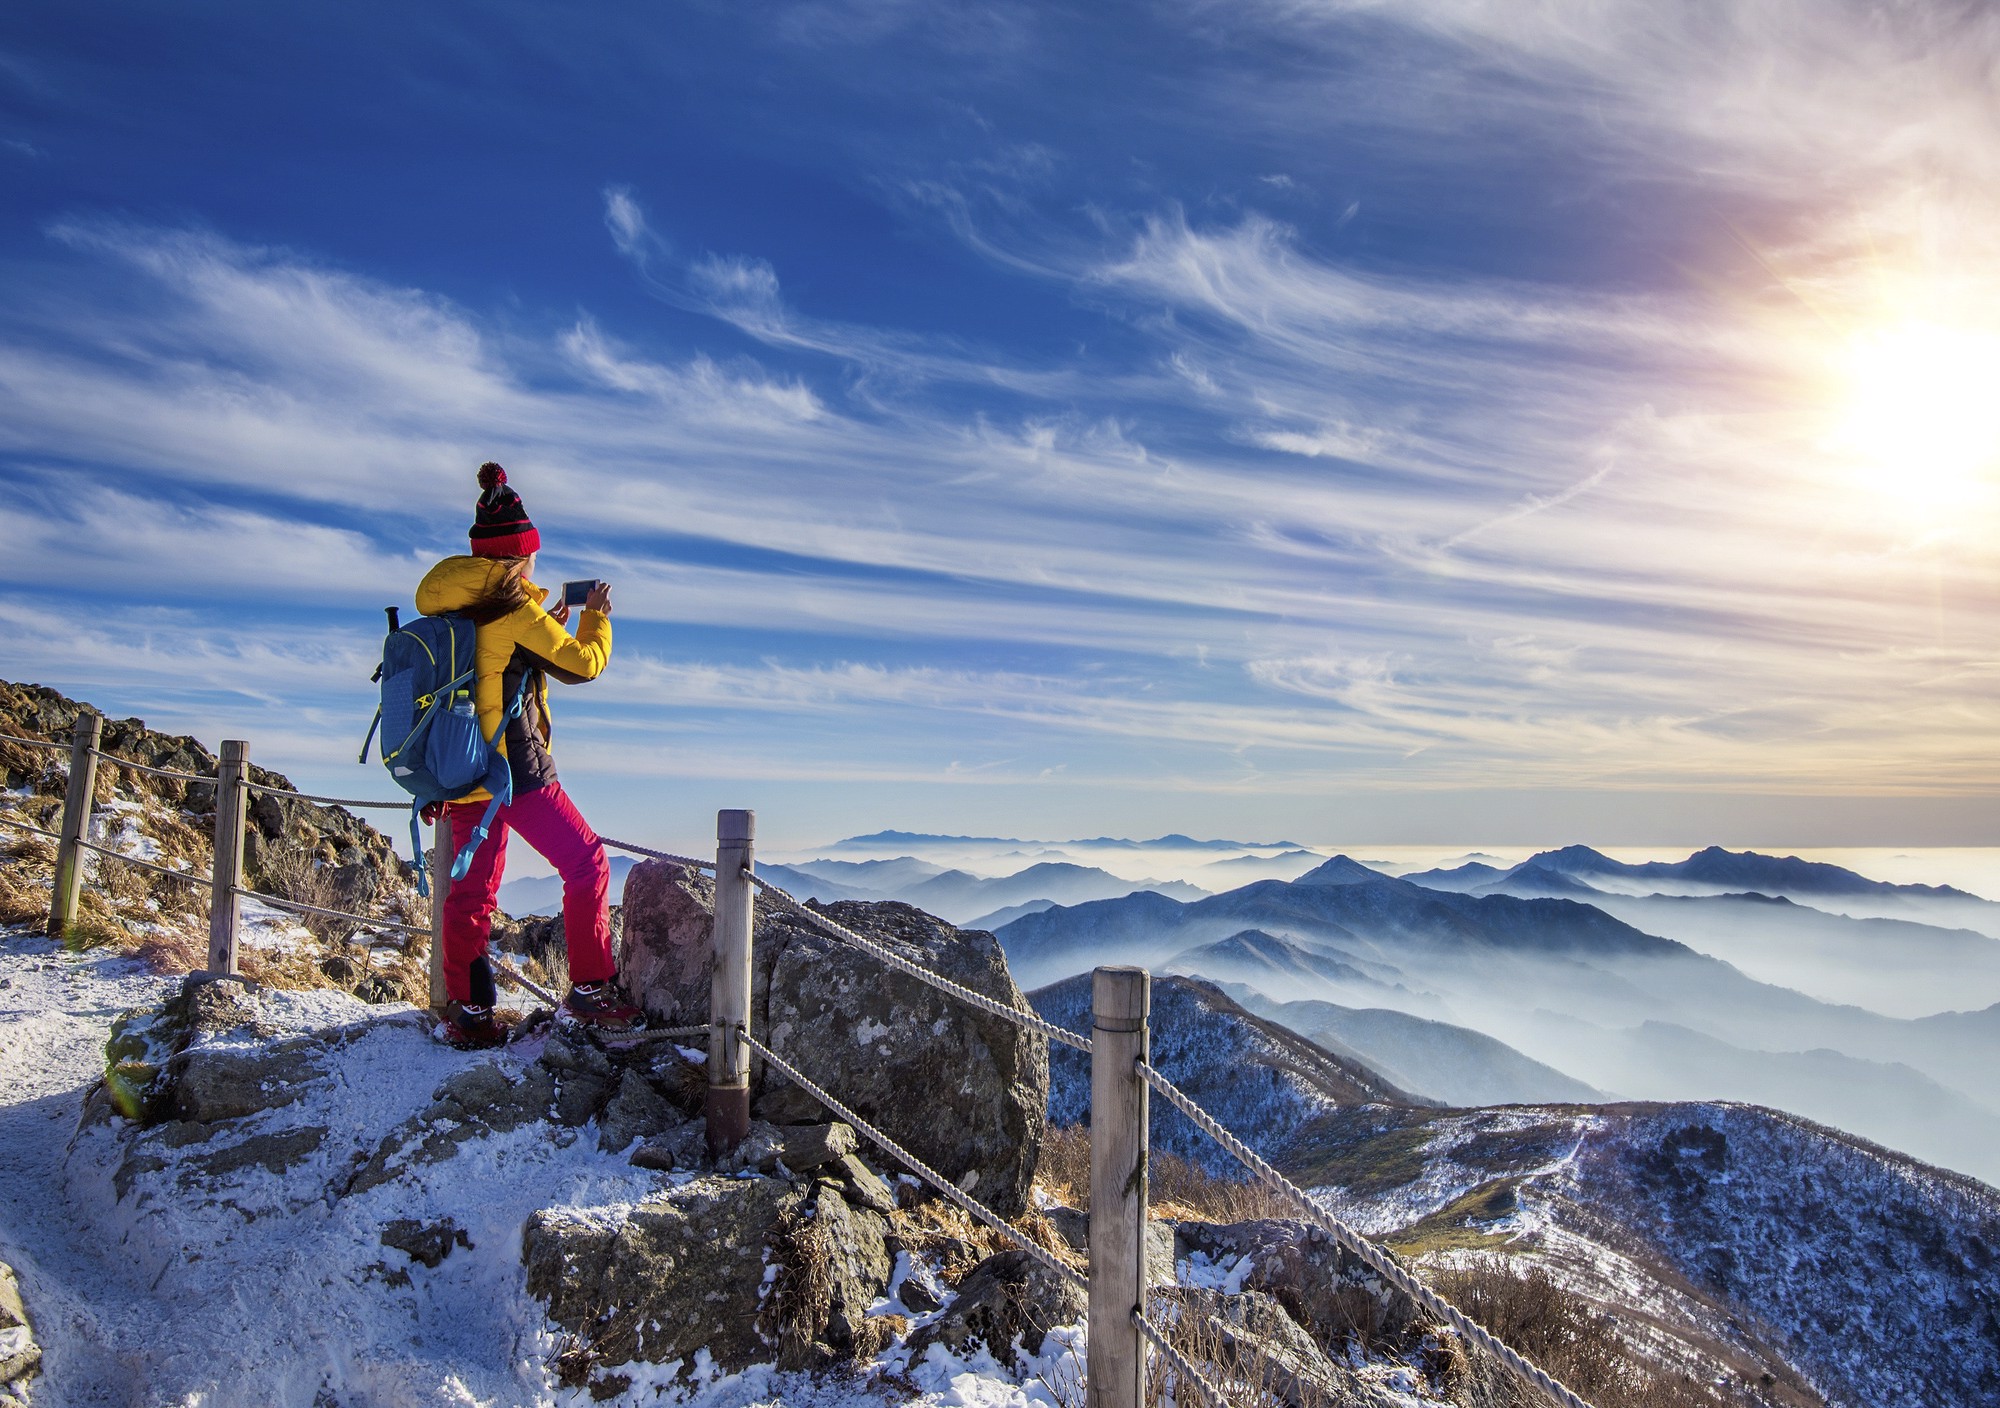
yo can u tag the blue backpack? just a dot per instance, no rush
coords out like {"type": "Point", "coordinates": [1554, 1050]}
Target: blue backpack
{"type": "Point", "coordinates": [431, 742]}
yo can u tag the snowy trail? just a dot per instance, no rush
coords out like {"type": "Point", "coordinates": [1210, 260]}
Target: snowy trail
{"type": "Point", "coordinates": [261, 1290]}
{"type": "Point", "coordinates": [56, 1009]}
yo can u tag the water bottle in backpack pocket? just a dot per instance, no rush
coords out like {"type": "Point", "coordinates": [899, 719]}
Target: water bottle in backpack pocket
{"type": "Point", "coordinates": [456, 752]}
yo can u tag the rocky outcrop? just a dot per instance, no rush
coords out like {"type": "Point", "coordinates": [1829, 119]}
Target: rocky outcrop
{"type": "Point", "coordinates": [963, 1090]}
{"type": "Point", "coordinates": [20, 1355]}
{"type": "Point", "coordinates": [1008, 1303]}
{"type": "Point", "coordinates": [749, 1269]}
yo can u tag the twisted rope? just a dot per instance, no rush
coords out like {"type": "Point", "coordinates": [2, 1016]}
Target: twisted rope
{"type": "Point", "coordinates": [652, 854]}
{"type": "Point", "coordinates": [34, 742]}
{"type": "Point", "coordinates": [193, 877]}
{"type": "Point", "coordinates": [1179, 1362]}
{"type": "Point", "coordinates": [401, 806]}
{"type": "Point", "coordinates": [300, 907]}
{"type": "Point", "coordinates": [36, 830]}
{"type": "Point", "coordinates": [149, 768]}
{"type": "Point", "coordinates": [521, 980]}
{"type": "Point", "coordinates": [913, 1163]}
{"type": "Point", "coordinates": [921, 974]}
{"type": "Point", "coordinates": [1376, 1259]}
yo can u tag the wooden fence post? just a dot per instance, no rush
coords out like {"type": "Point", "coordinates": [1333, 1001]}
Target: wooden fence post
{"type": "Point", "coordinates": [1121, 1003]}
{"type": "Point", "coordinates": [225, 905]}
{"type": "Point", "coordinates": [441, 859]}
{"type": "Point", "coordinates": [77, 802]}
{"type": "Point", "coordinates": [729, 992]}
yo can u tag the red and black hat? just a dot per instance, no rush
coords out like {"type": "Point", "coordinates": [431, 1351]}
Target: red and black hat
{"type": "Point", "coordinates": [500, 524]}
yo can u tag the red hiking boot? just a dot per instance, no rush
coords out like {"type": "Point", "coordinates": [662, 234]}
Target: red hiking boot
{"type": "Point", "coordinates": [469, 1028]}
{"type": "Point", "coordinates": [601, 1008]}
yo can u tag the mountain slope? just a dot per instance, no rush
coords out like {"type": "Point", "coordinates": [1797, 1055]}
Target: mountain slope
{"type": "Point", "coordinates": [1260, 1079]}
{"type": "Point", "coordinates": [1454, 1064]}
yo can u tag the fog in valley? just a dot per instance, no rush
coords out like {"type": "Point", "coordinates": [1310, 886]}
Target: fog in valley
{"type": "Point", "coordinates": [1481, 977]}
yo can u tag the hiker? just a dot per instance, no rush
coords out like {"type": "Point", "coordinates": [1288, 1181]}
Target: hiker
{"type": "Point", "coordinates": [519, 644]}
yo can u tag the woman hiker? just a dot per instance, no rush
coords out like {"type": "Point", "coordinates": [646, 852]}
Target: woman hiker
{"type": "Point", "coordinates": [518, 642]}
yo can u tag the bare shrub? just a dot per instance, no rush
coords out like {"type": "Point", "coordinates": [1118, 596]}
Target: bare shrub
{"type": "Point", "coordinates": [294, 873]}
{"type": "Point", "coordinates": [1177, 1190]}
{"type": "Point", "coordinates": [1566, 1335]}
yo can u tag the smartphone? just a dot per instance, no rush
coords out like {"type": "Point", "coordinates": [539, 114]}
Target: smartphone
{"type": "Point", "coordinates": [576, 593]}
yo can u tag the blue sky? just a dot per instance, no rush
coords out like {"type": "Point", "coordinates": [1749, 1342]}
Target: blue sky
{"type": "Point", "coordinates": [1431, 422]}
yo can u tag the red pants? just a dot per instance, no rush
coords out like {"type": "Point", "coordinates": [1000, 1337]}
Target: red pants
{"type": "Point", "coordinates": [547, 820]}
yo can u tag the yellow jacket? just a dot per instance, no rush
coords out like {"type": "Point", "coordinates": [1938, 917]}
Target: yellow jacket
{"type": "Point", "coordinates": [526, 642]}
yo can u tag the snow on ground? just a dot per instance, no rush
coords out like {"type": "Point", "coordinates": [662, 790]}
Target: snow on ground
{"type": "Point", "coordinates": [247, 1286]}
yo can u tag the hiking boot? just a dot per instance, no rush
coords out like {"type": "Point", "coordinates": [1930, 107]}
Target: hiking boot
{"type": "Point", "coordinates": [469, 1028]}
{"type": "Point", "coordinates": [601, 1008]}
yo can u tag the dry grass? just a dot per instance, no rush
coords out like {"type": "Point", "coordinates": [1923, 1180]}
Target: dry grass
{"type": "Point", "coordinates": [948, 1234]}
{"type": "Point", "coordinates": [1566, 1335]}
{"type": "Point", "coordinates": [1176, 1189]}
{"type": "Point", "coordinates": [294, 873]}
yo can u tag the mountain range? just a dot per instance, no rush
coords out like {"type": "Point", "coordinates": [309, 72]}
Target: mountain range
{"type": "Point", "coordinates": [1564, 984]}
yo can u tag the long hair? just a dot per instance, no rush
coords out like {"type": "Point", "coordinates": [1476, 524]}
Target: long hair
{"type": "Point", "coordinates": [507, 594]}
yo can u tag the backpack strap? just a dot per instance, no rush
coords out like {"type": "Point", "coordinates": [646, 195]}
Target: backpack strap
{"type": "Point", "coordinates": [373, 724]}
{"type": "Point", "coordinates": [417, 849]}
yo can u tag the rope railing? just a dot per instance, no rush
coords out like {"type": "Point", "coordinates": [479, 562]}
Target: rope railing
{"type": "Point", "coordinates": [972, 1206]}
{"type": "Point", "coordinates": [916, 970]}
{"type": "Point", "coordinates": [35, 742]}
{"type": "Point", "coordinates": [149, 768]}
{"type": "Point", "coordinates": [33, 830]}
{"type": "Point", "coordinates": [1178, 1362]}
{"type": "Point", "coordinates": [272, 791]}
{"type": "Point", "coordinates": [301, 907]}
{"type": "Point", "coordinates": [190, 876]}
{"type": "Point", "coordinates": [689, 861]}
{"type": "Point", "coordinates": [1375, 1258]}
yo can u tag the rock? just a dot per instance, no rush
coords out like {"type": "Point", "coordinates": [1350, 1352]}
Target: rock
{"type": "Point", "coordinates": [1008, 1302]}
{"type": "Point", "coordinates": [838, 1264]}
{"type": "Point", "coordinates": [138, 1082]}
{"type": "Point", "coordinates": [275, 1153]}
{"type": "Point", "coordinates": [585, 1076]}
{"type": "Point", "coordinates": [478, 1101]}
{"type": "Point", "coordinates": [807, 1147]}
{"type": "Point", "coordinates": [683, 1270]}
{"type": "Point", "coordinates": [426, 1242]}
{"type": "Point", "coordinates": [963, 1090]}
{"type": "Point", "coordinates": [919, 1289]}
{"type": "Point", "coordinates": [225, 1083]}
{"type": "Point", "coordinates": [1162, 1246]}
{"type": "Point", "coordinates": [669, 941]}
{"type": "Point", "coordinates": [1326, 1287]}
{"type": "Point", "coordinates": [636, 1111]}
{"type": "Point", "coordinates": [1252, 1335]}
{"type": "Point", "coordinates": [683, 1147]}
{"type": "Point", "coordinates": [20, 1356]}
{"type": "Point", "coordinates": [862, 1184]}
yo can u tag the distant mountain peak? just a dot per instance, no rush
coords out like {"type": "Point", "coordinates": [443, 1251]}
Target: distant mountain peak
{"type": "Point", "coordinates": [1341, 870]}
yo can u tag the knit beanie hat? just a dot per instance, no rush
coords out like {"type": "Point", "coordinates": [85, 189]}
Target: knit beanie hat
{"type": "Point", "coordinates": [500, 524]}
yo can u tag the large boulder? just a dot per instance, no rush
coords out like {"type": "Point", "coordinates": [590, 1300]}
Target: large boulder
{"type": "Point", "coordinates": [744, 1267]}
{"type": "Point", "coordinates": [965, 1091]}
{"type": "Point", "coordinates": [669, 941]}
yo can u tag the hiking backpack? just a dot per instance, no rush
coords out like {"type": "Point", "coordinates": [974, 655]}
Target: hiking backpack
{"type": "Point", "coordinates": [431, 741]}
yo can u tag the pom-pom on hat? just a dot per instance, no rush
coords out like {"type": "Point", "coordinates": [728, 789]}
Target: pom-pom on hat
{"type": "Point", "coordinates": [500, 525]}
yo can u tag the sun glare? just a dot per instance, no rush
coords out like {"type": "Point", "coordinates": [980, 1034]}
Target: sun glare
{"type": "Point", "coordinates": [1920, 412]}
